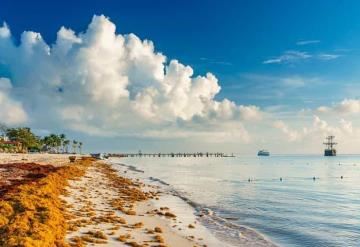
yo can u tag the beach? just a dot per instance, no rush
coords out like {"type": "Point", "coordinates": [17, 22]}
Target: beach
{"type": "Point", "coordinates": [87, 202]}
{"type": "Point", "coordinates": [179, 124]}
{"type": "Point", "coordinates": [95, 205]}
{"type": "Point", "coordinates": [127, 215]}
{"type": "Point", "coordinates": [47, 201]}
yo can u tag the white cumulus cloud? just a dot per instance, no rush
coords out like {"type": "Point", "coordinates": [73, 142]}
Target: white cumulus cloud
{"type": "Point", "coordinates": [346, 106]}
{"type": "Point", "coordinates": [11, 111]}
{"type": "Point", "coordinates": [100, 82]}
{"type": "Point", "coordinates": [291, 135]}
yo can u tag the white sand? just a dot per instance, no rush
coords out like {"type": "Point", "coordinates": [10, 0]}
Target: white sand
{"type": "Point", "coordinates": [43, 159]}
{"type": "Point", "coordinates": [93, 190]}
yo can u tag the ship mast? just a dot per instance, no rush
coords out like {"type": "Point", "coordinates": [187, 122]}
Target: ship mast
{"type": "Point", "coordinates": [330, 142]}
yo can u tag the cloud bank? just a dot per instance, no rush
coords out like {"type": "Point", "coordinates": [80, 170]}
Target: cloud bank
{"type": "Point", "coordinates": [103, 83]}
{"type": "Point", "coordinates": [345, 107]}
{"type": "Point", "coordinates": [11, 111]}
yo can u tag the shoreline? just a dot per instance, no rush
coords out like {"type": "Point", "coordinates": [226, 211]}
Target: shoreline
{"type": "Point", "coordinates": [111, 207]}
{"type": "Point", "coordinates": [241, 235]}
{"type": "Point", "coordinates": [135, 221]}
{"type": "Point", "coordinates": [92, 205]}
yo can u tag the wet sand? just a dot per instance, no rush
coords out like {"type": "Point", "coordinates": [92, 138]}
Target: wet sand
{"type": "Point", "coordinates": [216, 230]}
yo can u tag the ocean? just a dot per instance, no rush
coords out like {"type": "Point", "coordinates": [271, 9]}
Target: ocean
{"type": "Point", "coordinates": [298, 200]}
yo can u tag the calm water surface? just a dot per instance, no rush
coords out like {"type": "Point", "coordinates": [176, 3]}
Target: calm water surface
{"type": "Point", "coordinates": [297, 211]}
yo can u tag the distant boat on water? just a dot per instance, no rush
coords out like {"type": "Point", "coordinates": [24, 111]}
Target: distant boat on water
{"type": "Point", "coordinates": [263, 153]}
{"type": "Point", "coordinates": [99, 156]}
{"type": "Point", "coordinates": [330, 150]}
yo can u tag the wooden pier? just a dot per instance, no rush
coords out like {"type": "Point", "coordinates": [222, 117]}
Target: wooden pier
{"type": "Point", "coordinates": [173, 155]}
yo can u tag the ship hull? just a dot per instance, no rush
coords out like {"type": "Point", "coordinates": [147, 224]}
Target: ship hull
{"type": "Point", "coordinates": [330, 152]}
{"type": "Point", "coordinates": [263, 153]}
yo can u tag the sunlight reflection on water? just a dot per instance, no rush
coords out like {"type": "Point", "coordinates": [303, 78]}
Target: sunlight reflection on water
{"type": "Point", "coordinates": [297, 211]}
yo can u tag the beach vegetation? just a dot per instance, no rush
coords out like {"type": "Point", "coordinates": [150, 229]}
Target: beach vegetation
{"type": "Point", "coordinates": [3, 129]}
{"type": "Point", "coordinates": [66, 143]}
{"type": "Point", "coordinates": [80, 147]}
{"type": "Point", "coordinates": [170, 215]}
{"type": "Point", "coordinates": [134, 244]}
{"type": "Point", "coordinates": [158, 229]}
{"type": "Point", "coordinates": [33, 214]}
{"type": "Point", "coordinates": [58, 144]}
{"type": "Point", "coordinates": [124, 238]}
{"type": "Point", "coordinates": [22, 139]}
{"type": "Point", "coordinates": [138, 225]}
{"type": "Point", "coordinates": [97, 234]}
{"type": "Point", "coordinates": [25, 136]}
{"type": "Point", "coordinates": [74, 145]}
{"type": "Point", "coordinates": [159, 239]}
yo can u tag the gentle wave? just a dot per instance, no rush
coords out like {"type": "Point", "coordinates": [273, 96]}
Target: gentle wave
{"type": "Point", "coordinates": [221, 227]}
{"type": "Point", "coordinates": [295, 211]}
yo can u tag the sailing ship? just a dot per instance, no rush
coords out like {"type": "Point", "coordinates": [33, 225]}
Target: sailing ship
{"type": "Point", "coordinates": [330, 150]}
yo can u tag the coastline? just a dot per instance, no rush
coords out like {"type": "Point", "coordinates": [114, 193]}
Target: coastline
{"type": "Point", "coordinates": [220, 230]}
{"type": "Point", "coordinates": [132, 218]}
{"type": "Point", "coordinates": [95, 204]}
{"type": "Point", "coordinates": [89, 204]}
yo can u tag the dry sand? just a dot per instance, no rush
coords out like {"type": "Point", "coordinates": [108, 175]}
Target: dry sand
{"type": "Point", "coordinates": [43, 159]}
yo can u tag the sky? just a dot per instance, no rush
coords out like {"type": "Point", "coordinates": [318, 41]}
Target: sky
{"type": "Point", "coordinates": [230, 76]}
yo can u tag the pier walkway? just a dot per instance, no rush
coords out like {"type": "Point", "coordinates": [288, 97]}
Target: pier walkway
{"type": "Point", "coordinates": [173, 155]}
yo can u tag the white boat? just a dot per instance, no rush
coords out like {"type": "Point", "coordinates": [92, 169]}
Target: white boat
{"type": "Point", "coordinates": [99, 156]}
{"type": "Point", "coordinates": [263, 153]}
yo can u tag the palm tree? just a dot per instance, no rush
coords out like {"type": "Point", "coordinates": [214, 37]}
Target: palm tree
{"type": "Point", "coordinates": [3, 130]}
{"type": "Point", "coordinates": [62, 139]}
{"type": "Point", "coordinates": [54, 141]}
{"type": "Point", "coordinates": [74, 143]}
{"type": "Point", "coordinates": [66, 145]}
{"type": "Point", "coordinates": [80, 146]}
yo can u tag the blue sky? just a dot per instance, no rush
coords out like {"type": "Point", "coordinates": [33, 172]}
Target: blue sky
{"type": "Point", "coordinates": [231, 38]}
{"type": "Point", "coordinates": [281, 56]}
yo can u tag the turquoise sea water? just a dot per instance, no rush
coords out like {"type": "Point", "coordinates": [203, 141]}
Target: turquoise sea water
{"type": "Point", "coordinates": [297, 211]}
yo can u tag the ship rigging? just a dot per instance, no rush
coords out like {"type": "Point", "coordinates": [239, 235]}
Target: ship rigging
{"type": "Point", "coordinates": [330, 150]}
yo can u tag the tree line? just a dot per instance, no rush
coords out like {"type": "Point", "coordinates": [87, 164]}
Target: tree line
{"type": "Point", "coordinates": [54, 143]}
